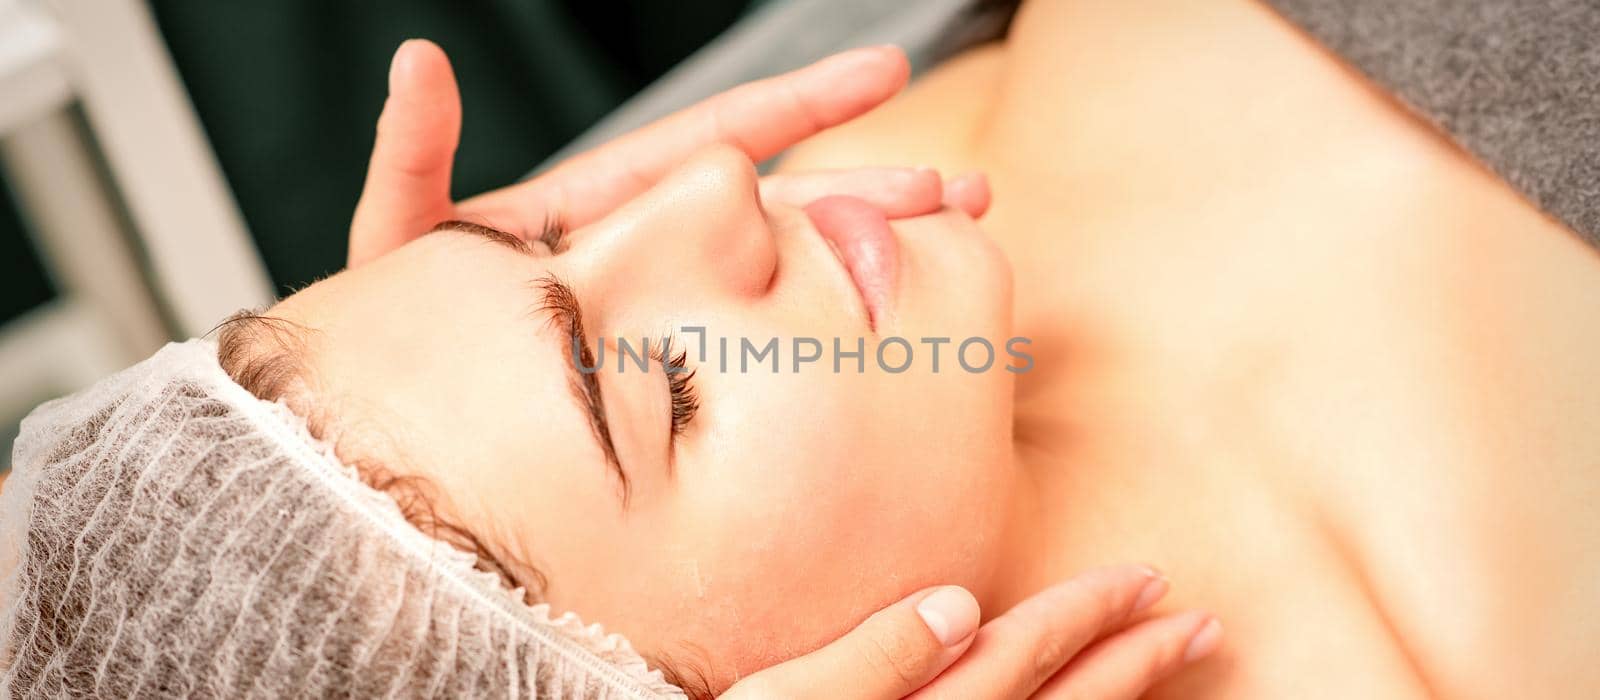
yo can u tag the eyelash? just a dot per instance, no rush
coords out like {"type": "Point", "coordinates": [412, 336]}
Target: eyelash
{"type": "Point", "coordinates": [680, 387]}
{"type": "Point", "coordinates": [685, 401]}
{"type": "Point", "coordinates": [554, 235]}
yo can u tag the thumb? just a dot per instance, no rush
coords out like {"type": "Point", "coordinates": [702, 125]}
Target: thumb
{"type": "Point", "coordinates": [890, 655]}
{"type": "Point", "coordinates": [408, 178]}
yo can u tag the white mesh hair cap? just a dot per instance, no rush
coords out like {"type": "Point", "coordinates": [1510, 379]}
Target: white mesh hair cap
{"type": "Point", "coordinates": [166, 533]}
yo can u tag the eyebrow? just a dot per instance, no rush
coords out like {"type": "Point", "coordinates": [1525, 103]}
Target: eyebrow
{"type": "Point", "coordinates": [489, 232]}
{"type": "Point", "coordinates": [561, 304]}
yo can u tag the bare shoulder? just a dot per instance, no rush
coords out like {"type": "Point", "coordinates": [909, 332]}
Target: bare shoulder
{"type": "Point", "coordinates": [1474, 507]}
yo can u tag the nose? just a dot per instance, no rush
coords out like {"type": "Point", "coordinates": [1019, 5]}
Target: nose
{"type": "Point", "coordinates": [700, 232]}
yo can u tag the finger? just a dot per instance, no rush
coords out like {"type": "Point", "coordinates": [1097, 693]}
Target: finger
{"type": "Point", "coordinates": [761, 118]}
{"type": "Point", "coordinates": [888, 656]}
{"type": "Point", "coordinates": [408, 178]}
{"type": "Point", "coordinates": [897, 192]}
{"type": "Point", "coordinates": [1126, 665]}
{"type": "Point", "coordinates": [1017, 652]}
{"type": "Point", "coordinates": [969, 193]}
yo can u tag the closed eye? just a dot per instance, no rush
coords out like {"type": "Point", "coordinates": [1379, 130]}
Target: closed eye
{"type": "Point", "coordinates": [680, 386]}
{"type": "Point", "coordinates": [561, 305]}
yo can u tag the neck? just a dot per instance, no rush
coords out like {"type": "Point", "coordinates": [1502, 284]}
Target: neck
{"type": "Point", "coordinates": [1067, 514]}
{"type": "Point", "coordinates": [1146, 357]}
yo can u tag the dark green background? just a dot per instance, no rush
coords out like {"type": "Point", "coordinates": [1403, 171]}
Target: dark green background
{"type": "Point", "coordinates": [288, 92]}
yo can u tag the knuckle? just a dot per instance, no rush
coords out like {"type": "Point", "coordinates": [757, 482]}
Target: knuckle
{"type": "Point", "coordinates": [894, 654]}
{"type": "Point", "coordinates": [1108, 606]}
{"type": "Point", "coordinates": [805, 109]}
{"type": "Point", "coordinates": [1050, 653]}
{"type": "Point", "coordinates": [1144, 666]}
{"type": "Point", "coordinates": [1165, 657]}
{"type": "Point", "coordinates": [722, 125]}
{"type": "Point", "coordinates": [1153, 664]}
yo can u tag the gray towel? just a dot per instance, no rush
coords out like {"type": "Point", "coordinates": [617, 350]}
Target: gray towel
{"type": "Point", "coordinates": [1515, 82]}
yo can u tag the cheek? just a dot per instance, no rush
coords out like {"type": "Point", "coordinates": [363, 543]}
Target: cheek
{"type": "Point", "coordinates": [779, 571]}
{"type": "Point", "coordinates": [810, 501]}
{"type": "Point", "coordinates": [799, 541]}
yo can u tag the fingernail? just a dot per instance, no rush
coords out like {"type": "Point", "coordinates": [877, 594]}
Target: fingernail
{"type": "Point", "coordinates": [866, 53]}
{"type": "Point", "coordinates": [1204, 642]}
{"type": "Point", "coordinates": [1152, 592]}
{"type": "Point", "coordinates": [950, 613]}
{"type": "Point", "coordinates": [928, 176]}
{"type": "Point", "coordinates": [884, 48]}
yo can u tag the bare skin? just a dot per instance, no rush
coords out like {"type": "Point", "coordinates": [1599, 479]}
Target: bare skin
{"type": "Point", "coordinates": [1331, 374]}
{"type": "Point", "coordinates": [1077, 638]}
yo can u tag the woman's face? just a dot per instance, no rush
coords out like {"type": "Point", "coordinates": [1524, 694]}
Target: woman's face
{"type": "Point", "coordinates": [791, 505]}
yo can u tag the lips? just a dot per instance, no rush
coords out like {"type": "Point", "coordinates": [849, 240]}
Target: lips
{"type": "Point", "coordinates": [861, 236]}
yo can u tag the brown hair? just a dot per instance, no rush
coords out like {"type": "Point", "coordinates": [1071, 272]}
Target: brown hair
{"type": "Point", "coordinates": [266, 355]}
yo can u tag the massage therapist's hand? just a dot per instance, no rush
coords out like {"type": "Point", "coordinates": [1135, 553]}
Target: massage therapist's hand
{"type": "Point", "coordinates": [1081, 639]}
{"type": "Point", "coordinates": [408, 179]}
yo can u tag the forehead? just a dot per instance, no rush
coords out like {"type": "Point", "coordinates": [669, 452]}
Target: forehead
{"type": "Point", "coordinates": [438, 358]}
{"type": "Point", "coordinates": [448, 305]}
